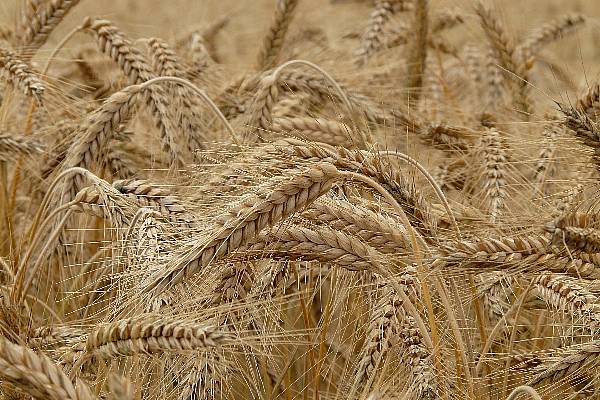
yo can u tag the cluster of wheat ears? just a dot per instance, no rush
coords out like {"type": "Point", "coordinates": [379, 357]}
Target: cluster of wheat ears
{"type": "Point", "coordinates": [426, 230]}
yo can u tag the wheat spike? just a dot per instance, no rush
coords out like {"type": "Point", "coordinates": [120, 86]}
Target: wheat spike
{"type": "Point", "coordinates": [245, 220]}
{"type": "Point", "coordinates": [44, 21]}
{"type": "Point", "coordinates": [273, 41]}
{"type": "Point", "coordinates": [36, 374]}
{"type": "Point", "coordinates": [20, 75]}
{"type": "Point", "coordinates": [134, 65]}
{"type": "Point", "coordinates": [146, 334]}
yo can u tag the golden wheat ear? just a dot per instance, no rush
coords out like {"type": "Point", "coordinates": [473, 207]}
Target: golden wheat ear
{"type": "Point", "coordinates": [43, 21]}
{"type": "Point", "coordinates": [20, 75]}
{"type": "Point", "coordinates": [37, 375]}
{"type": "Point", "coordinates": [273, 41]}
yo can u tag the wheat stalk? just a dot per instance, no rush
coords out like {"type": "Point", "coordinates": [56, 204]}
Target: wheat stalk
{"type": "Point", "coordinates": [417, 57]}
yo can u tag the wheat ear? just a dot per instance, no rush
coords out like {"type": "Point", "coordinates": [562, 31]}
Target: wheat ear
{"type": "Point", "coordinates": [244, 221]}
{"type": "Point", "coordinates": [273, 41]}
{"type": "Point", "coordinates": [20, 75]}
{"type": "Point", "coordinates": [378, 231]}
{"type": "Point", "coordinates": [548, 33]}
{"type": "Point", "coordinates": [373, 37]}
{"type": "Point", "coordinates": [585, 356]}
{"type": "Point", "coordinates": [494, 162]}
{"type": "Point", "coordinates": [545, 167]}
{"type": "Point", "coordinates": [314, 129]}
{"type": "Point", "coordinates": [13, 146]}
{"type": "Point", "coordinates": [417, 57]}
{"type": "Point", "coordinates": [261, 113]}
{"type": "Point", "coordinates": [564, 293]}
{"type": "Point", "coordinates": [44, 21]}
{"type": "Point", "coordinates": [147, 334]}
{"type": "Point", "coordinates": [134, 65]}
{"type": "Point", "coordinates": [321, 244]}
{"type": "Point", "coordinates": [98, 130]}
{"type": "Point", "coordinates": [407, 194]}
{"type": "Point", "coordinates": [506, 54]}
{"type": "Point", "coordinates": [579, 231]}
{"type": "Point", "coordinates": [590, 102]}
{"type": "Point", "coordinates": [35, 374]}
{"type": "Point", "coordinates": [166, 63]}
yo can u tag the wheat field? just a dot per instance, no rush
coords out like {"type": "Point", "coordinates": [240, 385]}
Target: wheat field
{"type": "Point", "coordinates": [299, 199]}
